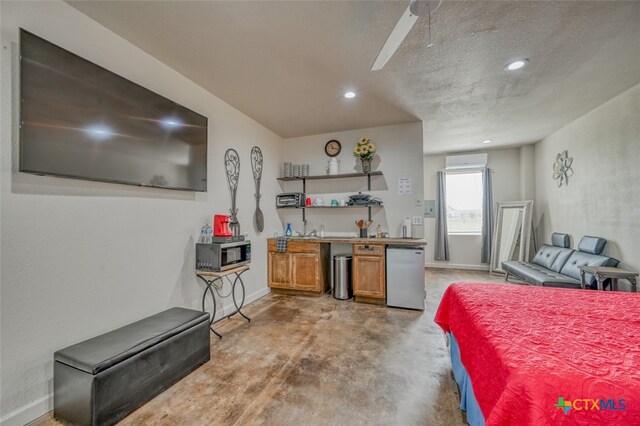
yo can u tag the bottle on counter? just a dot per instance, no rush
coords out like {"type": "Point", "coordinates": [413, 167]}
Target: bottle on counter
{"type": "Point", "coordinates": [203, 234]}
{"type": "Point", "coordinates": [379, 232]}
{"type": "Point", "coordinates": [288, 232]}
{"type": "Point", "coordinates": [209, 234]}
{"type": "Point", "coordinates": [321, 234]}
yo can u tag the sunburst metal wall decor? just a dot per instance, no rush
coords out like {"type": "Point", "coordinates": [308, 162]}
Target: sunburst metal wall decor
{"type": "Point", "coordinates": [562, 170]}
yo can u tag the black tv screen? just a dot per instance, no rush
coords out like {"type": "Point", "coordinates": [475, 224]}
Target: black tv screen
{"type": "Point", "coordinates": [79, 120]}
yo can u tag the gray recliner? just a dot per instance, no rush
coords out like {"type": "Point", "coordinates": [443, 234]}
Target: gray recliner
{"type": "Point", "coordinates": [558, 265]}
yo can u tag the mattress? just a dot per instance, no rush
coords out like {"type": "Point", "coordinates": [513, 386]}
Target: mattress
{"type": "Point", "coordinates": [537, 356]}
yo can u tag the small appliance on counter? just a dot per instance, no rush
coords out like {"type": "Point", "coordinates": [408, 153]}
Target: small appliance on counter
{"type": "Point", "coordinates": [290, 199]}
{"type": "Point", "coordinates": [221, 231]}
{"type": "Point", "coordinates": [406, 228]}
{"type": "Point", "coordinates": [222, 256]}
{"type": "Point", "coordinates": [221, 226]}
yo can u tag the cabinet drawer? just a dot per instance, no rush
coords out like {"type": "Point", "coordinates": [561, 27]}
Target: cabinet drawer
{"type": "Point", "coordinates": [368, 250]}
{"type": "Point", "coordinates": [303, 247]}
{"type": "Point", "coordinates": [296, 246]}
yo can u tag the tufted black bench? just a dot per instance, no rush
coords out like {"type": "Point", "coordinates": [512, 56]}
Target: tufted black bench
{"type": "Point", "coordinates": [101, 380]}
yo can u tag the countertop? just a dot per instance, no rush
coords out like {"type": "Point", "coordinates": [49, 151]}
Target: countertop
{"type": "Point", "coordinates": [355, 240]}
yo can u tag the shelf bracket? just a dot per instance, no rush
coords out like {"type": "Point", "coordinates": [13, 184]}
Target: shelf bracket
{"type": "Point", "coordinates": [304, 191]}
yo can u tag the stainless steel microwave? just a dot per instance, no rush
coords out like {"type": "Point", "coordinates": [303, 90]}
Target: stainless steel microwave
{"type": "Point", "coordinates": [290, 199]}
{"type": "Point", "coordinates": [221, 256]}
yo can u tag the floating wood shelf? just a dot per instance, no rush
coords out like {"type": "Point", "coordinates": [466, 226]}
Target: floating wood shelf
{"type": "Point", "coordinates": [335, 207]}
{"type": "Point", "coordinates": [340, 176]}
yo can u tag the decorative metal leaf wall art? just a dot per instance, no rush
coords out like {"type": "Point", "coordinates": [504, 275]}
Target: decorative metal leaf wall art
{"type": "Point", "coordinates": [232, 167]}
{"type": "Point", "coordinates": [562, 170]}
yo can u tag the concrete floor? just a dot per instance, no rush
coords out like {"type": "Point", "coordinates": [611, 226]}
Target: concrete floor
{"type": "Point", "coordinates": [319, 361]}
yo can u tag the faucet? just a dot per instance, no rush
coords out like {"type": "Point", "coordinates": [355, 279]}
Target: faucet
{"type": "Point", "coordinates": [313, 234]}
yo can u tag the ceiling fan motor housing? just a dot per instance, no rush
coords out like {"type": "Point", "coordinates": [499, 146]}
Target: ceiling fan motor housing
{"type": "Point", "coordinates": [424, 7]}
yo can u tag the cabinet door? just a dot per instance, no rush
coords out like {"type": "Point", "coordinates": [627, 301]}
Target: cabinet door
{"type": "Point", "coordinates": [305, 268]}
{"type": "Point", "coordinates": [279, 270]}
{"type": "Point", "coordinates": [369, 276]}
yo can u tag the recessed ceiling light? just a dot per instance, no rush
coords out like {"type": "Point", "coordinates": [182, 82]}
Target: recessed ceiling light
{"type": "Point", "coordinates": [349, 95]}
{"type": "Point", "coordinates": [487, 141]}
{"type": "Point", "coordinates": [516, 65]}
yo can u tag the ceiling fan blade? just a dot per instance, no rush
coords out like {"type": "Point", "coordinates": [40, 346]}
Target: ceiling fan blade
{"type": "Point", "coordinates": [400, 31]}
{"type": "Point", "coordinates": [403, 26]}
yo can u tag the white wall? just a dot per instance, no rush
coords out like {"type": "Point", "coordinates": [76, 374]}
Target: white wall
{"type": "Point", "coordinates": [603, 196]}
{"type": "Point", "coordinates": [464, 250]}
{"type": "Point", "coordinates": [81, 258]}
{"type": "Point", "coordinates": [399, 154]}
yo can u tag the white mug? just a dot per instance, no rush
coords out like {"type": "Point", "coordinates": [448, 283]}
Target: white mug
{"type": "Point", "coordinates": [319, 202]}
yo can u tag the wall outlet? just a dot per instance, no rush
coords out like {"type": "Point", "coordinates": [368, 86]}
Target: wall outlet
{"type": "Point", "coordinates": [416, 220]}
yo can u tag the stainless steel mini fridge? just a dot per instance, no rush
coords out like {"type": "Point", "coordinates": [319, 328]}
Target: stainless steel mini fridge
{"type": "Point", "coordinates": [405, 277]}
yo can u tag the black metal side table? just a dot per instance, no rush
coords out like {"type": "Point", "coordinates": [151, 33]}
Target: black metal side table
{"type": "Point", "coordinates": [215, 281]}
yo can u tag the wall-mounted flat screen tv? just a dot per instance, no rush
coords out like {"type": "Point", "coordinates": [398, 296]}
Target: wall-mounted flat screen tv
{"type": "Point", "coordinates": [79, 120]}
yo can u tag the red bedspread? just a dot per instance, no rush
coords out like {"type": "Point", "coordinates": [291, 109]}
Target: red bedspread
{"type": "Point", "coordinates": [526, 347]}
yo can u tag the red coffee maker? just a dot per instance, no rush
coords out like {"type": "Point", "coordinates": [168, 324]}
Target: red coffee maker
{"type": "Point", "coordinates": [221, 226]}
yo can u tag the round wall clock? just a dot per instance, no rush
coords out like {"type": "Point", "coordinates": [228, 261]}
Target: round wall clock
{"type": "Point", "coordinates": [332, 148]}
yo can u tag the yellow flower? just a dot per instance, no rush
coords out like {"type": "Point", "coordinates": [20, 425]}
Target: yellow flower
{"type": "Point", "coordinates": [364, 148]}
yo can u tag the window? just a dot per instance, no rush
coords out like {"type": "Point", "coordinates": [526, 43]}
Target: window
{"type": "Point", "coordinates": [464, 203]}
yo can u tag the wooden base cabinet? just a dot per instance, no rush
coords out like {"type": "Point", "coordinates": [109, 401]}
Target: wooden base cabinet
{"type": "Point", "coordinates": [369, 277]}
{"type": "Point", "coordinates": [304, 268]}
{"type": "Point", "coordinates": [279, 270]}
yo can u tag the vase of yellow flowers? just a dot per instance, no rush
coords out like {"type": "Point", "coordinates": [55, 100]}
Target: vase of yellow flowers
{"type": "Point", "coordinates": [365, 150]}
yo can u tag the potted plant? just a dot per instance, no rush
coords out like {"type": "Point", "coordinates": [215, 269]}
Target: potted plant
{"type": "Point", "coordinates": [365, 150]}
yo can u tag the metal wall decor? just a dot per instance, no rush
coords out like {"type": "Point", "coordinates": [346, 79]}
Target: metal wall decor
{"type": "Point", "coordinates": [562, 170]}
{"type": "Point", "coordinates": [232, 166]}
{"type": "Point", "coordinates": [256, 166]}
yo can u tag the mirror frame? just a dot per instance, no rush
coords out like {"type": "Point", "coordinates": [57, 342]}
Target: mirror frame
{"type": "Point", "coordinates": [525, 231]}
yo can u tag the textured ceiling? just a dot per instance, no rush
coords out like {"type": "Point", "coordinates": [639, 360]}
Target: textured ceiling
{"type": "Point", "coordinates": [286, 64]}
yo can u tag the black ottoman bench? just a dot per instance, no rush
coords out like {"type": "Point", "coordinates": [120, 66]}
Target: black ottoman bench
{"type": "Point", "coordinates": [101, 380]}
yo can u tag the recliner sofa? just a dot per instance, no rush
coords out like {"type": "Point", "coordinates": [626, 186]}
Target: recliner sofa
{"type": "Point", "coordinates": [557, 265]}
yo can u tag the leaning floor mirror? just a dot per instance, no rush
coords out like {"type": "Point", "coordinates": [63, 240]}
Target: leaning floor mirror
{"type": "Point", "coordinates": [512, 234]}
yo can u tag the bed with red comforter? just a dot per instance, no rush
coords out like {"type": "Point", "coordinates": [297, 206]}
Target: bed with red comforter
{"type": "Point", "coordinates": [525, 347]}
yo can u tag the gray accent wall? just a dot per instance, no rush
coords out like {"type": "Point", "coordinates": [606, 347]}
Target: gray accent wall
{"type": "Point", "coordinates": [603, 196]}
